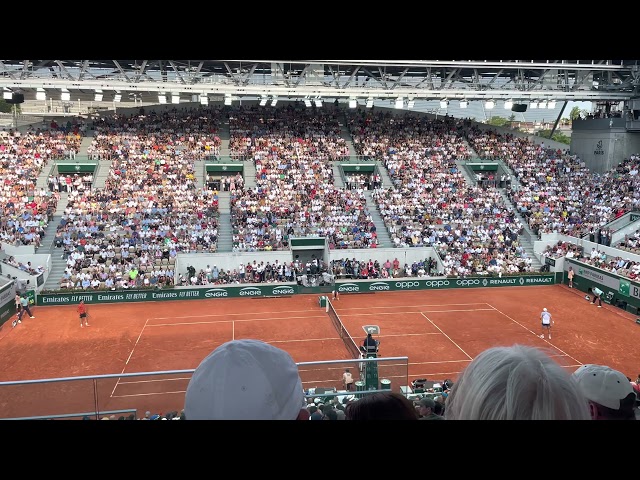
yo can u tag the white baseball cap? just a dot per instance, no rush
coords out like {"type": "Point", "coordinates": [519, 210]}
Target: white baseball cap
{"type": "Point", "coordinates": [603, 385]}
{"type": "Point", "coordinates": [245, 380]}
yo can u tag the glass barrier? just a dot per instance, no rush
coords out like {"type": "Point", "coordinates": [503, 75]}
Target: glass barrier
{"type": "Point", "coordinates": [164, 392]}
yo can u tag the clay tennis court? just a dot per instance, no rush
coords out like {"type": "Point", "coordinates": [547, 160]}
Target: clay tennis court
{"type": "Point", "coordinates": [440, 331]}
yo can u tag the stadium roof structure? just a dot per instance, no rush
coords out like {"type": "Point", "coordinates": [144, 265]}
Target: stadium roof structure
{"type": "Point", "coordinates": [520, 81]}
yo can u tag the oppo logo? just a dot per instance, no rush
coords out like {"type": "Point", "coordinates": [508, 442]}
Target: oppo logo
{"type": "Point", "coordinates": [250, 292]}
{"type": "Point", "coordinates": [379, 286]}
{"type": "Point", "coordinates": [283, 291]}
{"type": "Point", "coordinates": [216, 292]}
{"type": "Point", "coordinates": [407, 284]}
{"type": "Point", "coordinates": [436, 283]}
{"type": "Point", "coordinates": [467, 283]}
{"type": "Point", "coordinates": [348, 287]}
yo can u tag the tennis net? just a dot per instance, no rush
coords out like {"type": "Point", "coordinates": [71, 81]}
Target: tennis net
{"type": "Point", "coordinates": [342, 331]}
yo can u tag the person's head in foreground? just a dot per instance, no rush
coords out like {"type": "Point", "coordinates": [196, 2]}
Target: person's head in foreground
{"type": "Point", "coordinates": [246, 380]}
{"type": "Point", "coordinates": [609, 392]}
{"type": "Point", "coordinates": [515, 383]}
{"type": "Point", "coordinates": [381, 406]}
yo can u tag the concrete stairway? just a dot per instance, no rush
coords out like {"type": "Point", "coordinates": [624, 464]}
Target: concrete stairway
{"type": "Point", "coordinates": [344, 133]}
{"type": "Point", "coordinates": [528, 236]}
{"type": "Point", "coordinates": [337, 175]}
{"type": "Point", "coordinates": [225, 239]}
{"type": "Point", "coordinates": [384, 175]}
{"type": "Point", "coordinates": [384, 240]}
{"type": "Point", "coordinates": [465, 173]}
{"type": "Point", "coordinates": [58, 264]}
{"type": "Point", "coordinates": [249, 174]}
{"type": "Point", "coordinates": [199, 173]}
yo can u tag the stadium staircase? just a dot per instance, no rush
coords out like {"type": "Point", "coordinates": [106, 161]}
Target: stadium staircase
{"type": "Point", "coordinates": [384, 175]}
{"type": "Point", "coordinates": [249, 174]}
{"type": "Point", "coordinates": [527, 238]}
{"type": "Point", "coordinates": [58, 264]}
{"type": "Point", "coordinates": [225, 240]}
{"type": "Point", "coordinates": [384, 240]}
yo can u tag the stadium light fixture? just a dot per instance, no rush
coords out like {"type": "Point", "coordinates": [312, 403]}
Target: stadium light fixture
{"type": "Point", "coordinates": [489, 104]}
{"type": "Point", "coordinates": [464, 103]}
{"type": "Point", "coordinates": [263, 101]}
{"type": "Point", "coordinates": [353, 103]}
{"type": "Point", "coordinates": [307, 103]}
{"type": "Point", "coordinates": [399, 103]}
{"type": "Point", "coordinates": [274, 100]}
{"type": "Point", "coordinates": [318, 102]}
{"type": "Point", "coordinates": [444, 103]}
{"type": "Point", "coordinates": [41, 94]}
{"type": "Point", "coordinates": [508, 104]}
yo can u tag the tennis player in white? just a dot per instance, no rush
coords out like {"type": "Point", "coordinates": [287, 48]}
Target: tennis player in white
{"type": "Point", "coordinates": [545, 316]}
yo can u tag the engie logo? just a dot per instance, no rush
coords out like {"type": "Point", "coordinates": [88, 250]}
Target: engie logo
{"type": "Point", "coordinates": [250, 292]}
{"type": "Point", "coordinates": [216, 292]}
{"type": "Point", "coordinates": [283, 291]}
{"type": "Point", "coordinates": [407, 284]}
{"type": "Point", "coordinates": [379, 286]}
{"type": "Point", "coordinates": [348, 287]}
{"type": "Point", "coordinates": [467, 283]}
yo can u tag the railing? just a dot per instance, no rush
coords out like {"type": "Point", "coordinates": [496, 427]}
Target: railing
{"type": "Point", "coordinates": [162, 391]}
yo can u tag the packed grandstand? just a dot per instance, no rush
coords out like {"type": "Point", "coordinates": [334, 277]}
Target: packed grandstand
{"type": "Point", "coordinates": [127, 233]}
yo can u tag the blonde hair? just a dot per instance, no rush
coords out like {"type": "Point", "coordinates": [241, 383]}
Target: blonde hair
{"type": "Point", "coordinates": [516, 383]}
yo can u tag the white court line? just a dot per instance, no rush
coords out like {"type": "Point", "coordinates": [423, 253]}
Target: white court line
{"type": "Point", "coordinates": [342, 314]}
{"type": "Point", "coordinates": [224, 321]}
{"type": "Point", "coordinates": [426, 305]}
{"type": "Point", "coordinates": [528, 329]}
{"type": "Point", "coordinates": [459, 347]}
{"type": "Point", "coordinates": [129, 358]}
{"type": "Point", "coordinates": [156, 380]}
{"type": "Point", "coordinates": [231, 314]}
{"type": "Point", "coordinates": [437, 363]}
{"type": "Point", "coordinates": [148, 394]}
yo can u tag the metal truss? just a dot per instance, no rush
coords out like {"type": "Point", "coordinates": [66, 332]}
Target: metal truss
{"type": "Point", "coordinates": [518, 80]}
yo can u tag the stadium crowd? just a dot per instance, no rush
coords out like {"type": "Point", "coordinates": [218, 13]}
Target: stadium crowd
{"type": "Point", "coordinates": [23, 207]}
{"type": "Point", "coordinates": [429, 203]}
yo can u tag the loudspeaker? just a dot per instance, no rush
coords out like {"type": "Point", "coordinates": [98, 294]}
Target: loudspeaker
{"type": "Point", "coordinates": [16, 98]}
{"type": "Point", "coordinates": [519, 107]}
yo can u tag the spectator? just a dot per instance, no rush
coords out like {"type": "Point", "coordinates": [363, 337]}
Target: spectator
{"type": "Point", "coordinates": [381, 406]}
{"type": "Point", "coordinates": [246, 380]}
{"type": "Point", "coordinates": [427, 407]}
{"type": "Point", "coordinates": [609, 392]}
{"type": "Point", "coordinates": [515, 383]}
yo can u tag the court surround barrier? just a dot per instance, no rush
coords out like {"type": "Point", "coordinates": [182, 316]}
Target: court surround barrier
{"type": "Point", "coordinates": [94, 395]}
{"type": "Point", "coordinates": [275, 290]}
{"type": "Point", "coordinates": [618, 291]}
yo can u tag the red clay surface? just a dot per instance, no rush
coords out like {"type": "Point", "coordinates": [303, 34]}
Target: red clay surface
{"type": "Point", "coordinates": [439, 331]}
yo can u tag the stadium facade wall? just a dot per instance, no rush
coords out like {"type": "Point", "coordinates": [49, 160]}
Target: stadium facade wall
{"type": "Point", "coordinates": [232, 260]}
{"type": "Point", "coordinates": [602, 143]}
